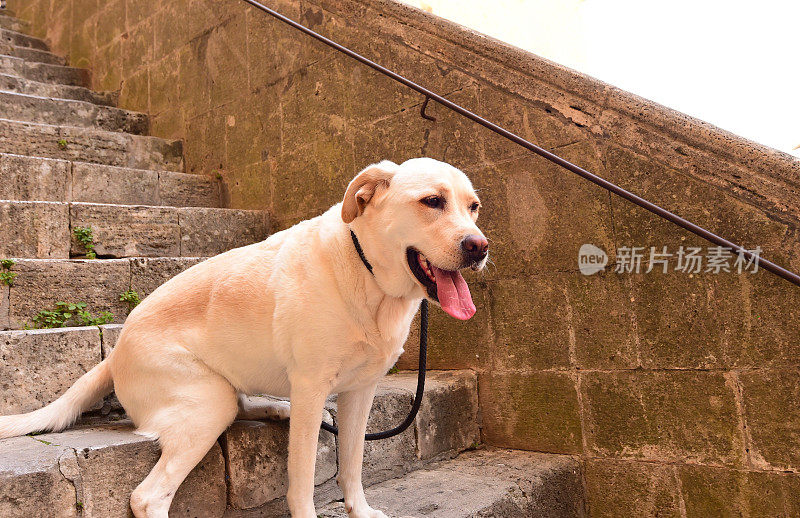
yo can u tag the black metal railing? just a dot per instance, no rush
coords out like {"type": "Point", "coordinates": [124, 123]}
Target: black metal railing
{"type": "Point", "coordinates": [605, 184]}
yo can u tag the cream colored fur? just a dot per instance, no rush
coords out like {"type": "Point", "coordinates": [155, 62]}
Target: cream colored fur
{"type": "Point", "coordinates": [297, 316]}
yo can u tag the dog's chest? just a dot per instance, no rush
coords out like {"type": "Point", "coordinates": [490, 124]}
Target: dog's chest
{"type": "Point", "coordinates": [378, 345]}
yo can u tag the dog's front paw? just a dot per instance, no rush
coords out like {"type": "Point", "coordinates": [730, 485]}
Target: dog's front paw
{"type": "Point", "coordinates": [366, 512]}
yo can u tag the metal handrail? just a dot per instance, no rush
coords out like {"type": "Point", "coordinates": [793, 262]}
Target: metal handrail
{"type": "Point", "coordinates": [605, 184]}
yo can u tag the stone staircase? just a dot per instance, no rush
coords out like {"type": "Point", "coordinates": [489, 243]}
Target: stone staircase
{"type": "Point", "coordinates": [69, 159]}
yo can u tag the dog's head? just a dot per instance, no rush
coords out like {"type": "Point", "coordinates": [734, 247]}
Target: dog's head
{"type": "Point", "coordinates": [416, 224]}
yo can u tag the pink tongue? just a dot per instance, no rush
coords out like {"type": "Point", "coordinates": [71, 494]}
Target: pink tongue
{"type": "Point", "coordinates": [453, 293]}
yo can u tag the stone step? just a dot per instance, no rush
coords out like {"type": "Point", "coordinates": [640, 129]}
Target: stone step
{"type": "Point", "coordinates": [11, 83]}
{"type": "Point", "coordinates": [32, 55]}
{"type": "Point", "coordinates": [13, 24]}
{"type": "Point", "coordinates": [100, 466]}
{"type": "Point", "coordinates": [492, 482]}
{"type": "Point", "coordinates": [20, 39]}
{"type": "Point", "coordinates": [44, 72]}
{"type": "Point", "coordinates": [35, 229]}
{"type": "Point", "coordinates": [68, 112]}
{"type": "Point", "coordinates": [27, 178]}
{"type": "Point", "coordinates": [92, 472]}
{"type": "Point", "coordinates": [90, 145]}
{"type": "Point", "coordinates": [40, 283]}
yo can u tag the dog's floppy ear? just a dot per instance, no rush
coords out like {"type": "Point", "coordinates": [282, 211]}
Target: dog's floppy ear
{"type": "Point", "coordinates": [363, 186]}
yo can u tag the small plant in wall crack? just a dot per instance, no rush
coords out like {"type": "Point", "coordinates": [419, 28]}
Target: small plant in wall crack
{"type": "Point", "coordinates": [131, 298]}
{"type": "Point", "coordinates": [67, 314]}
{"type": "Point", "coordinates": [6, 275]}
{"type": "Point", "coordinates": [85, 238]}
{"type": "Point", "coordinates": [62, 144]}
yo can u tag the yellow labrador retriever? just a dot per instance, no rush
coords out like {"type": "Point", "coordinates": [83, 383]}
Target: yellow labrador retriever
{"type": "Point", "coordinates": [297, 315]}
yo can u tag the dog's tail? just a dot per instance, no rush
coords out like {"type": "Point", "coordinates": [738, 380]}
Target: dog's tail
{"type": "Point", "coordinates": [65, 410]}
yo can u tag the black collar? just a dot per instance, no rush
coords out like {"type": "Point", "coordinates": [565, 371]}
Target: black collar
{"type": "Point", "coordinates": [361, 252]}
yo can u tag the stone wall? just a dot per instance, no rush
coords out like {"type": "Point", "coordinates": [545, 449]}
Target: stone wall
{"type": "Point", "coordinates": [678, 392]}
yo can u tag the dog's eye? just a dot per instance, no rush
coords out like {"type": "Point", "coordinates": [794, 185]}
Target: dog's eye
{"type": "Point", "coordinates": [434, 202]}
{"type": "Point", "coordinates": [475, 206]}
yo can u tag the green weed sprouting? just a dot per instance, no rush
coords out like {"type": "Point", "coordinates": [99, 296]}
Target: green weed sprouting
{"type": "Point", "coordinates": [85, 238]}
{"type": "Point", "coordinates": [68, 314]}
{"type": "Point", "coordinates": [131, 298]}
{"type": "Point", "coordinates": [6, 275]}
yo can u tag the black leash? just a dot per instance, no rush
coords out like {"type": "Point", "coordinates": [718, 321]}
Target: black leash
{"type": "Point", "coordinates": [423, 354]}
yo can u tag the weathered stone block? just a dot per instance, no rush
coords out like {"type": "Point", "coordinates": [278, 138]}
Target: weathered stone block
{"type": "Point", "coordinates": [137, 47]}
{"type": "Point", "coordinates": [386, 109]}
{"type": "Point", "coordinates": [31, 482]}
{"type": "Point", "coordinates": [226, 56]}
{"type": "Point", "coordinates": [257, 455]}
{"type": "Point", "coordinates": [253, 135]}
{"type": "Point", "coordinates": [40, 284]}
{"type": "Point", "coordinates": [772, 318]}
{"type": "Point", "coordinates": [134, 92]}
{"type": "Point", "coordinates": [207, 231]}
{"type": "Point", "coordinates": [391, 457]}
{"type": "Point", "coordinates": [709, 491]}
{"type": "Point", "coordinates": [47, 73]}
{"type": "Point", "coordinates": [624, 488]}
{"type": "Point", "coordinates": [448, 417]}
{"type": "Point", "coordinates": [739, 222]}
{"type": "Point", "coordinates": [163, 89]}
{"type": "Point", "coordinates": [378, 140]}
{"type": "Point", "coordinates": [689, 321]}
{"type": "Point", "coordinates": [530, 327]}
{"type": "Point", "coordinates": [148, 273]}
{"type": "Point", "coordinates": [188, 190]}
{"type": "Point", "coordinates": [109, 334]}
{"type": "Point", "coordinates": [256, 179]}
{"type": "Point", "coordinates": [314, 96]}
{"type": "Point", "coordinates": [537, 215]}
{"type": "Point", "coordinates": [194, 85]}
{"type": "Point", "coordinates": [396, 455]}
{"type": "Point", "coordinates": [14, 24]}
{"type": "Point", "coordinates": [127, 230]}
{"type": "Point", "coordinates": [33, 179]}
{"type": "Point", "coordinates": [69, 112]}
{"type": "Point", "coordinates": [38, 366]}
{"type": "Point", "coordinates": [31, 55]}
{"type": "Point", "coordinates": [689, 416]}
{"type": "Point", "coordinates": [203, 151]}
{"type": "Point", "coordinates": [5, 310]}
{"type": "Point", "coordinates": [18, 84]}
{"type": "Point", "coordinates": [483, 483]}
{"type": "Point", "coordinates": [312, 177]}
{"type": "Point", "coordinates": [600, 314]}
{"type": "Point", "coordinates": [531, 411]}
{"type": "Point", "coordinates": [104, 487]}
{"type": "Point", "coordinates": [273, 49]}
{"type": "Point", "coordinates": [34, 229]}
{"type": "Point", "coordinates": [773, 417]}
{"type": "Point", "coordinates": [96, 183]}
{"type": "Point", "coordinates": [90, 145]}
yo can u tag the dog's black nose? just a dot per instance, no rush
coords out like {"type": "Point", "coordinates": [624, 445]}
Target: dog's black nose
{"type": "Point", "coordinates": [475, 247]}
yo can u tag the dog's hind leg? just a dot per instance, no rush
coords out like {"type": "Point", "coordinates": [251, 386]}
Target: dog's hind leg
{"type": "Point", "coordinates": [257, 408]}
{"type": "Point", "coordinates": [186, 430]}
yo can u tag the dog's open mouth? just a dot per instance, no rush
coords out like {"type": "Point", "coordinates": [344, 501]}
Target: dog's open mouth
{"type": "Point", "coordinates": [447, 287]}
